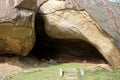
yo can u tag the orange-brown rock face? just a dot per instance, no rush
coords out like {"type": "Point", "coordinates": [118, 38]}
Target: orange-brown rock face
{"type": "Point", "coordinates": [17, 26]}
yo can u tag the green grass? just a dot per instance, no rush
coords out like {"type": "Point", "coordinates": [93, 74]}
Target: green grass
{"type": "Point", "coordinates": [52, 73]}
{"type": "Point", "coordinates": [101, 75]}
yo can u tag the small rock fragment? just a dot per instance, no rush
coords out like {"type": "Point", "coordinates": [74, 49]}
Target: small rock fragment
{"type": "Point", "coordinates": [52, 61]}
{"type": "Point", "coordinates": [84, 61]}
{"type": "Point", "coordinates": [105, 66]}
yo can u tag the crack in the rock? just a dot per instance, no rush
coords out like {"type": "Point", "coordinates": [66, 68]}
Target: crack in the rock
{"type": "Point", "coordinates": [61, 10]}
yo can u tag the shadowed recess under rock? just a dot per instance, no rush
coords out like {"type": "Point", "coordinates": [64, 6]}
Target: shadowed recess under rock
{"type": "Point", "coordinates": [46, 46]}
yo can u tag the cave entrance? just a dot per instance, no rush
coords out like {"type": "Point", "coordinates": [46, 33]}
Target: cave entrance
{"type": "Point", "coordinates": [67, 50]}
{"type": "Point", "coordinates": [62, 50]}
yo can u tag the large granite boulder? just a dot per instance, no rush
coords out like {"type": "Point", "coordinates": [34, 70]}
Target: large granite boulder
{"type": "Point", "coordinates": [105, 13]}
{"type": "Point", "coordinates": [62, 22]}
{"type": "Point", "coordinates": [17, 26]}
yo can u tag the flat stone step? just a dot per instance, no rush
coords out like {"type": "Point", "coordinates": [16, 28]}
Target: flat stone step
{"type": "Point", "coordinates": [71, 78]}
{"type": "Point", "coordinates": [72, 70]}
{"type": "Point", "coordinates": [70, 74]}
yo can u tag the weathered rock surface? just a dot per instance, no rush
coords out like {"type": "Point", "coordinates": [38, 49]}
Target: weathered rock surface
{"type": "Point", "coordinates": [17, 26]}
{"type": "Point", "coordinates": [105, 12]}
{"type": "Point", "coordinates": [64, 23]}
{"type": "Point", "coordinates": [40, 2]}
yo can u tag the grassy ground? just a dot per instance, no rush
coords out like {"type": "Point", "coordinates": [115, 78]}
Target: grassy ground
{"type": "Point", "coordinates": [52, 72]}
